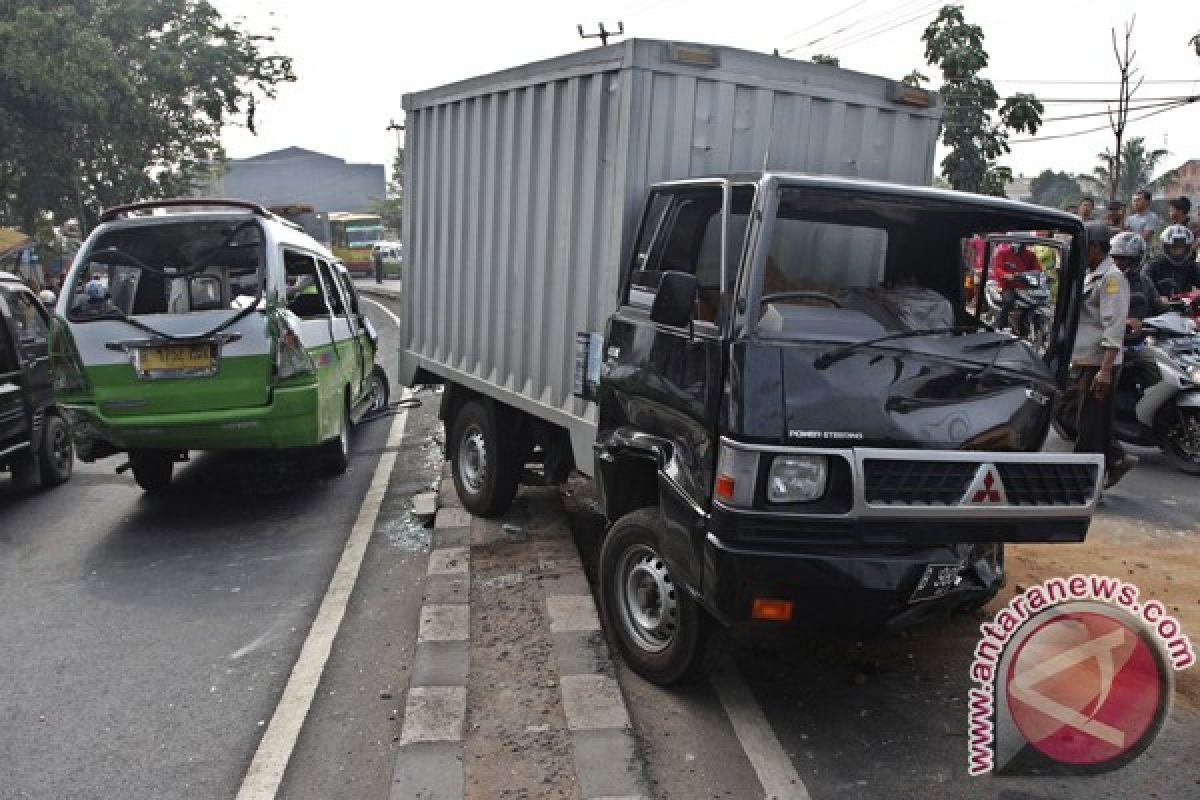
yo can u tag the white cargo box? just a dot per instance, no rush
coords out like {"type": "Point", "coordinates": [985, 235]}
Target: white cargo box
{"type": "Point", "coordinates": [522, 191]}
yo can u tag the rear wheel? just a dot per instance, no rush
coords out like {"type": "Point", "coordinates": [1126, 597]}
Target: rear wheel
{"type": "Point", "coordinates": [152, 469]}
{"type": "Point", "coordinates": [658, 628]}
{"type": "Point", "coordinates": [57, 455]}
{"type": "Point", "coordinates": [378, 390]}
{"type": "Point", "coordinates": [335, 454]}
{"type": "Point", "coordinates": [486, 464]}
{"type": "Point", "coordinates": [1180, 437]}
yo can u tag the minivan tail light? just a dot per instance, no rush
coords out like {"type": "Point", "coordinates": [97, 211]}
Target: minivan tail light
{"type": "Point", "coordinates": [291, 359]}
{"type": "Point", "coordinates": [737, 471]}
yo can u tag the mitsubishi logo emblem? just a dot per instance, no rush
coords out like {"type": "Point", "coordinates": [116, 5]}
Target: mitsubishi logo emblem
{"type": "Point", "coordinates": [986, 490]}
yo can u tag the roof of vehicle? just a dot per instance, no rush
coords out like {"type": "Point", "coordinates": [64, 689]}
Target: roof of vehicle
{"type": "Point", "coordinates": [981, 202]}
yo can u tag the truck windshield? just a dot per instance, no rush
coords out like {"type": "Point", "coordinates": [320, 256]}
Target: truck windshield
{"type": "Point", "coordinates": [169, 268]}
{"type": "Point", "coordinates": [848, 267]}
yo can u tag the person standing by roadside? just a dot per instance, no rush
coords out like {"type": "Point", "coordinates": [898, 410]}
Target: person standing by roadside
{"type": "Point", "coordinates": [1098, 349]}
{"type": "Point", "coordinates": [1143, 221]}
{"type": "Point", "coordinates": [1115, 214]}
{"type": "Point", "coordinates": [1087, 209]}
{"type": "Point", "coordinates": [377, 260]}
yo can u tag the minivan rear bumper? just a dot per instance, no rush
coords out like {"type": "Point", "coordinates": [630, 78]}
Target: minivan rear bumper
{"type": "Point", "coordinates": [289, 420]}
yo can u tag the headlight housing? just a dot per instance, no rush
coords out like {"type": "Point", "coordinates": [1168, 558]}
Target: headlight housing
{"type": "Point", "coordinates": [797, 478]}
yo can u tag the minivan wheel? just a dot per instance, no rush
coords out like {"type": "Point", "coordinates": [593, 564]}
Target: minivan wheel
{"type": "Point", "coordinates": [57, 455]}
{"type": "Point", "coordinates": [659, 629]}
{"type": "Point", "coordinates": [379, 390]}
{"type": "Point", "coordinates": [335, 454]}
{"type": "Point", "coordinates": [152, 469]}
{"type": "Point", "coordinates": [484, 465]}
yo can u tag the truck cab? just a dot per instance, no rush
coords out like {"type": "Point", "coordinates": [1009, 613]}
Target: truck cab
{"type": "Point", "coordinates": [802, 417]}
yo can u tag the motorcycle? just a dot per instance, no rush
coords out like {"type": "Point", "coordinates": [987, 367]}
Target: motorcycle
{"type": "Point", "coordinates": [1031, 314]}
{"type": "Point", "coordinates": [1158, 393]}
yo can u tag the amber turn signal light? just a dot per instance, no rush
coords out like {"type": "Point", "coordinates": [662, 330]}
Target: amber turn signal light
{"type": "Point", "coordinates": [771, 610]}
{"type": "Point", "coordinates": [725, 486]}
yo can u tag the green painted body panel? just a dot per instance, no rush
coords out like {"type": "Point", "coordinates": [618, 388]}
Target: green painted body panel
{"type": "Point", "coordinates": [240, 382]}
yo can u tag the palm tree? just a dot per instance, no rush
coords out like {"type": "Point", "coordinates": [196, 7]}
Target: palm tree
{"type": "Point", "coordinates": [1136, 170]}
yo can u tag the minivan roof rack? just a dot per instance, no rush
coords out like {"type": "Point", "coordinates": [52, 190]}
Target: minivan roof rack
{"type": "Point", "coordinates": [109, 214]}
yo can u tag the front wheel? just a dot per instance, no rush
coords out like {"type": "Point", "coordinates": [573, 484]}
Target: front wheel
{"type": "Point", "coordinates": [659, 629]}
{"type": "Point", "coordinates": [152, 469]}
{"type": "Point", "coordinates": [57, 455]}
{"type": "Point", "coordinates": [1179, 438]}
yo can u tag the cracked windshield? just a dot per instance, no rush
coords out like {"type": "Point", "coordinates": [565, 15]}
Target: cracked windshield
{"type": "Point", "coordinates": [644, 400]}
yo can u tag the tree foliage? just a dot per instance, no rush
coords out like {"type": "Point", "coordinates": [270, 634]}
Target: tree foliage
{"type": "Point", "coordinates": [975, 124]}
{"type": "Point", "coordinates": [1055, 189]}
{"type": "Point", "coordinates": [1135, 169]}
{"type": "Point", "coordinates": [112, 101]}
{"type": "Point", "coordinates": [822, 58]}
{"type": "Point", "coordinates": [391, 207]}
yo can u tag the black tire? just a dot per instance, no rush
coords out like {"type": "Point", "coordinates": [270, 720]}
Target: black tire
{"type": "Point", "coordinates": [486, 466]}
{"type": "Point", "coordinates": [152, 469]}
{"type": "Point", "coordinates": [379, 390]}
{"type": "Point", "coordinates": [335, 454]}
{"type": "Point", "coordinates": [57, 455]}
{"type": "Point", "coordinates": [1179, 437]}
{"type": "Point", "coordinates": [659, 629]}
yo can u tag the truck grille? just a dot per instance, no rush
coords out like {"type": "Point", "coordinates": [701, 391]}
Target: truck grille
{"type": "Point", "coordinates": [934, 483]}
{"type": "Point", "coordinates": [943, 483]}
{"type": "Point", "coordinates": [1048, 484]}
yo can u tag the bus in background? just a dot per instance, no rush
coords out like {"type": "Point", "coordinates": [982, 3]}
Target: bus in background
{"type": "Point", "coordinates": [353, 235]}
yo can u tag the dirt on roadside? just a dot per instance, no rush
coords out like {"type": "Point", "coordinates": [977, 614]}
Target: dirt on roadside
{"type": "Point", "coordinates": [1164, 565]}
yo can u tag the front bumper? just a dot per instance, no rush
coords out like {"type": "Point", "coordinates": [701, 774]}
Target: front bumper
{"type": "Point", "coordinates": [289, 420]}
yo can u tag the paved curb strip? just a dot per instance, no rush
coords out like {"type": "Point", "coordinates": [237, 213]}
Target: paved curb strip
{"type": "Point", "coordinates": [429, 764]}
{"type": "Point", "coordinates": [607, 764]}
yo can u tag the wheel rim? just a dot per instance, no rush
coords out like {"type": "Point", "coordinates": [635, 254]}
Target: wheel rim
{"type": "Point", "coordinates": [472, 459]}
{"type": "Point", "coordinates": [378, 398]}
{"type": "Point", "coordinates": [1184, 437]}
{"type": "Point", "coordinates": [646, 600]}
{"type": "Point", "coordinates": [61, 447]}
{"type": "Point", "coordinates": [344, 434]}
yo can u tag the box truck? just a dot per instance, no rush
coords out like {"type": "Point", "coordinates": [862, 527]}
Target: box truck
{"type": "Point", "coordinates": [707, 278]}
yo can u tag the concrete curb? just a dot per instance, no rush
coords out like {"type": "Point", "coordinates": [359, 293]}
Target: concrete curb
{"type": "Point", "coordinates": [429, 764]}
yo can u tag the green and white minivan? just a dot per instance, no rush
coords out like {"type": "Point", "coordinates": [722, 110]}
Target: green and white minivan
{"type": "Point", "coordinates": [210, 325]}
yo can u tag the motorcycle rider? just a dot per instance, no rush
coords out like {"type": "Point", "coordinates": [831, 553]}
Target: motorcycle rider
{"type": "Point", "coordinates": [1127, 249]}
{"type": "Point", "coordinates": [1099, 342]}
{"type": "Point", "coordinates": [1175, 271]}
{"type": "Point", "coordinates": [1009, 261]}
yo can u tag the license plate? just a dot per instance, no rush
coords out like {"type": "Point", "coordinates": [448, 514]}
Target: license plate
{"type": "Point", "coordinates": [937, 580]}
{"type": "Point", "coordinates": [176, 359]}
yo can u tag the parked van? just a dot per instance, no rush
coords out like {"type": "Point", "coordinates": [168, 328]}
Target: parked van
{"type": "Point", "coordinates": [210, 325]}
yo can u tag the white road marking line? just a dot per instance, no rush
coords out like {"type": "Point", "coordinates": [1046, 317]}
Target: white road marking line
{"type": "Point", "coordinates": [591, 702]}
{"type": "Point", "coordinates": [775, 772]}
{"type": "Point", "coordinates": [383, 308]}
{"type": "Point", "coordinates": [569, 612]}
{"type": "Point", "coordinates": [275, 750]}
{"type": "Point", "coordinates": [445, 623]}
{"type": "Point", "coordinates": [434, 714]}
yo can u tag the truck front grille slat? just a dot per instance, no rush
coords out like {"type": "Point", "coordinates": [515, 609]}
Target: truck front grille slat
{"type": "Point", "coordinates": [1048, 484]}
{"type": "Point", "coordinates": [944, 483]}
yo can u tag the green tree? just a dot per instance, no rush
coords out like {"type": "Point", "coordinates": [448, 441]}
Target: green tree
{"type": "Point", "coordinates": [110, 102]}
{"type": "Point", "coordinates": [975, 138]}
{"type": "Point", "coordinates": [1055, 189]}
{"type": "Point", "coordinates": [822, 58]}
{"type": "Point", "coordinates": [1135, 169]}
{"type": "Point", "coordinates": [391, 207]}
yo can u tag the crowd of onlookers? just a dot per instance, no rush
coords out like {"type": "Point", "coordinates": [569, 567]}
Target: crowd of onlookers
{"type": "Point", "coordinates": [1141, 220]}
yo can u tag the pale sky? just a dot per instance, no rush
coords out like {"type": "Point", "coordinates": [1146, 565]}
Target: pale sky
{"type": "Point", "coordinates": [355, 58]}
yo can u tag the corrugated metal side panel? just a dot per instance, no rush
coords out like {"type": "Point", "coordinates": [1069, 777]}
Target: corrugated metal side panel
{"type": "Point", "coordinates": [510, 233]}
{"type": "Point", "coordinates": [697, 126]}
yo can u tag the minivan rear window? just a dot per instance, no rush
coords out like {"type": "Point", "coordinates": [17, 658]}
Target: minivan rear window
{"type": "Point", "coordinates": [175, 267]}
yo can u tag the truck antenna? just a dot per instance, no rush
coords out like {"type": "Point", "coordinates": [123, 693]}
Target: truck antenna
{"type": "Point", "coordinates": [603, 34]}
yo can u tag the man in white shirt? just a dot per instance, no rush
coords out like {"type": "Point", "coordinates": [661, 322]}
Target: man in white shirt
{"type": "Point", "coordinates": [1143, 221]}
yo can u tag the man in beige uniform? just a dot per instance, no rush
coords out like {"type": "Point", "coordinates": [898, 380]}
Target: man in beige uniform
{"type": "Point", "coordinates": [1097, 355]}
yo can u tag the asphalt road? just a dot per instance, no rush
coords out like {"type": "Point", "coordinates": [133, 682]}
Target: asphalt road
{"type": "Point", "coordinates": [146, 641]}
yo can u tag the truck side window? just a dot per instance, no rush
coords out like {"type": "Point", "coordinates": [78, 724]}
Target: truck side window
{"type": "Point", "coordinates": [688, 241]}
{"type": "Point", "coordinates": [32, 327]}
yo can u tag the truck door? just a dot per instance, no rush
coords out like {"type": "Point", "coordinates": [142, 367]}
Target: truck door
{"type": "Point", "coordinates": [31, 330]}
{"type": "Point", "coordinates": [14, 420]}
{"type": "Point", "coordinates": [667, 381]}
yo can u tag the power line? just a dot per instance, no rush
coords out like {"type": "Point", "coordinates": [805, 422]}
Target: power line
{"type": "Point", "coordinates": [822, 21]}
{"type": "Point", "coordinates": [888, 27]}
{"type": "Point", "coordinates": [1102, 127]}
{"type": "Point", "coordinates": [848, 26]}
{"type": "Point", "coordinates": [1067, 82]}
{"type": "Point", "coordinates": [1171, 101]}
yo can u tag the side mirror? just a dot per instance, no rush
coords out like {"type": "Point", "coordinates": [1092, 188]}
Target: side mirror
{"type": "Point", "coordinates": [675, 303]}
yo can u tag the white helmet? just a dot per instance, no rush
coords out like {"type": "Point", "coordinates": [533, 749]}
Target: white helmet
{"type": "Point", "coordinates": [1176, 236]}
{"type": "Point", "coordinates": [1127, 244]}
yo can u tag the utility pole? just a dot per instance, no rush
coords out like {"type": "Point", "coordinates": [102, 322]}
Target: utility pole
{"type": "Point", "coordinates": [1118, 119]}
{"type": "Point", "coordinates": [603, 34]}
